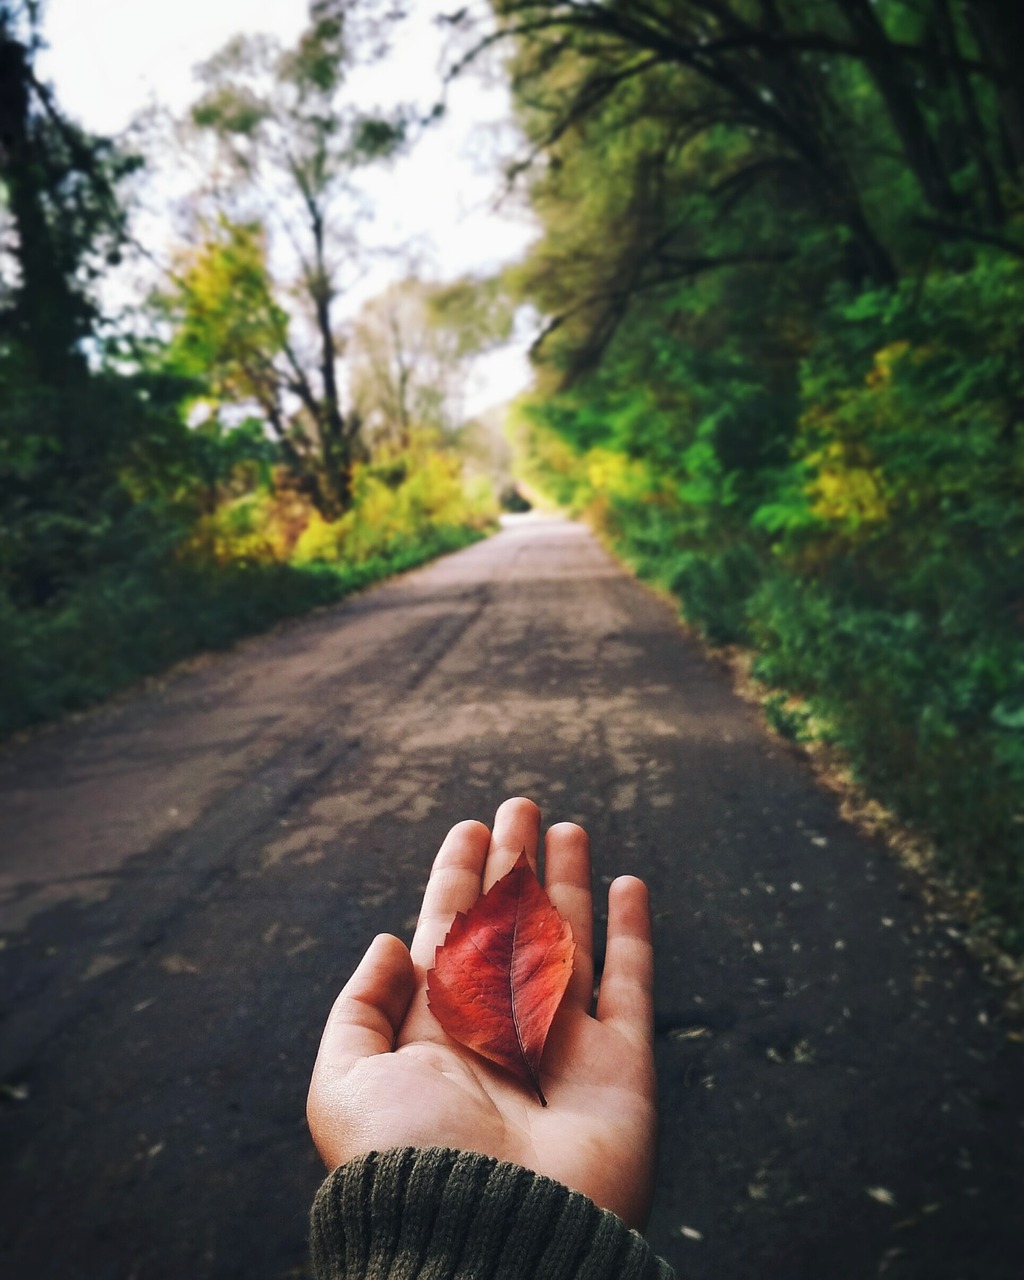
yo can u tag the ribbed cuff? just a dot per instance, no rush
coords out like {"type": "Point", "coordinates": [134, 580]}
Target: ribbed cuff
{"type": "Point", "coordinates": [456, 1215]}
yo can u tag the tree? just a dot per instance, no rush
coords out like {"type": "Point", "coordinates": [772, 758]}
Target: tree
{"type": "Point", "coordinates": [74, 442]}
{"type": "Point", "coordinates": [59, 192]}
{"type": "Point", "coordinates": [812, 115]}
{"type": "Point", "coordinates": [410, 352]}
{"type": "Point", "coordinates": [286, 148]}
{"type": "Point", "coordinates": [781, 266]}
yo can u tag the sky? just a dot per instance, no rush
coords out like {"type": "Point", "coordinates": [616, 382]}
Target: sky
{"type": "Point", "coordinates": [108, 60]}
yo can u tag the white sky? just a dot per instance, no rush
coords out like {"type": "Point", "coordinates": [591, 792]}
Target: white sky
{"type": "Point", "coordinates": [110, 59]}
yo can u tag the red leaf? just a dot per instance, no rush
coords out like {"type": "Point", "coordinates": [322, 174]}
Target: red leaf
{"type": "Point", "coordinates": [501, 973]}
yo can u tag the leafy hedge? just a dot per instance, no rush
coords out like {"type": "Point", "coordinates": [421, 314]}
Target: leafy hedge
{"type": "Point", "coordinates": [869, 544]}
{"type": "Point", "coordinates": [134, 621]}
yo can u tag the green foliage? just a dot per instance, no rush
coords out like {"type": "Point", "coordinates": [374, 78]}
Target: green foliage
{"type": "Point", "coordinates": [153, 497]}
{"type": "Point", "coordinates": [157, 590]}
{"type": "Point", "coordinates": [228, 329]}
{"type": "Point", "coordinates": [135, 620]}
{"type": "Point", "coordinates": [288, 139]}
{"type": "Point", "coordinates": [395, 504]}
{"type": "Point", "coordinates": [58, 195]}
{"type": "Point", "coordinates": [918, 711]}
{"type": "Point", "coordinates": [788, 717]}
{"type": "Point", "coordinates": [877, 571]}
{"type": "Point", "coordinates": [88, 467]}
{"type": "Point", "coordinates": [148, 587]}
{"type": "Point", "coordinates": [782, 370]}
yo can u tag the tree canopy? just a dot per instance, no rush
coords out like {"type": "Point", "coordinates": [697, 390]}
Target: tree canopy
{"type": "Point", "coordinates": [180, 465]}
{"type": "Point", "coordinates": [781, 275]}
{"type": "Point", "coordinates": [287, 143]}
{"type": "Point", "coordinates": [848, 138]}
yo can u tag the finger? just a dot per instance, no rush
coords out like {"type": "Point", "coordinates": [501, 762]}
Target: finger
{"type": "Point", "coordinates": [626, 998]}
{"type": "Point", "coordinates": [516, 830]}
{"type": "Point", "coordinates": [454, 885]}
{"type": "Point", "coordinates": [370, 1010]}
{"type": "Point", "coordinates": [567, 881]}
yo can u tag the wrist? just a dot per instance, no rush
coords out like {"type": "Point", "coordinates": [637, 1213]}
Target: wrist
{"type": "Point", "coordinates": [420, 1211]}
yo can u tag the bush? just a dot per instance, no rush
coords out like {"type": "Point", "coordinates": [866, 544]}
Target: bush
{"type": "Point", "coordinates": [257, 559]}
{"type": "Point", "coordinates": [875, 561]}
{"type": "Point", "coordinates": [124, 624]}
{"type": "Point", "coordinates": [931, 720]}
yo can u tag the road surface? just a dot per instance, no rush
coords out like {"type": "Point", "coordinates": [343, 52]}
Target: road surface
{"type": "Point", "coordinates": [187, 877]}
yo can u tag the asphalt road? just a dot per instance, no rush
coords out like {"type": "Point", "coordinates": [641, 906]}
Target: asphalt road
{"type": "Point", "coordinates": [187, 877]}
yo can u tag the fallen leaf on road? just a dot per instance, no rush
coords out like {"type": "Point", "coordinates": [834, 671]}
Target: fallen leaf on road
{"type": "Point", "coordinates": [501, 972]}
{"type": "Point", "coordinates": [101, 964]}
{"type": "Point", "coordinates": [890, 1255]}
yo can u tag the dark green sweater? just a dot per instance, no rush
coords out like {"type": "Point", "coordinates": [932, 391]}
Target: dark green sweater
{"type": "Point", "coordinates": [438, 1214]}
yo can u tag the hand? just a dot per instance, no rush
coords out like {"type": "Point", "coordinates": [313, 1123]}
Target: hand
{"type": "Point", "coordinates": [388, 1076]}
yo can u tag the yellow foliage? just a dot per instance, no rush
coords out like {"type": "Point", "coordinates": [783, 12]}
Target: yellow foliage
{"type": "Point", "coordinates": [321, 540]}
{"type": "Point", "coordinates": [885, 359]}
{"type": "Point", "coordinates": [847, 487]}
{"type": "Point", "coordinates": [607, 470]}
{"type": "Point", "coordinates": [417, 491]}
{"type": "Point", "coordinates": [258, 528]}
{"type": "Point", "coordinates": [396, 501]}
{"type": "Point", "coordinates": [844, 491]}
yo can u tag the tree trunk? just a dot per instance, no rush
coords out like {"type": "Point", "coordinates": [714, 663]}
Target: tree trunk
{"type": "Point", "coordinates": [1000, 28]}
{"type": "Point", "coordinates": [975, 135]}
{"type": "Point", "coordinates": [335, 436]}
{"type": "Point", "coordinates": [46, 315]}
{"type": "Point", "coordinates": [889, 75]}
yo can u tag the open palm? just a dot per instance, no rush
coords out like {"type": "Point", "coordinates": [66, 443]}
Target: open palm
{"type": "Point", "coordinates": [387, 1075]}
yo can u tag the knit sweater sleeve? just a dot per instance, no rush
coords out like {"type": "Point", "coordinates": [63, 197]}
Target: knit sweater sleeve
{"type": "Point", "coordinates": [454, 1215]}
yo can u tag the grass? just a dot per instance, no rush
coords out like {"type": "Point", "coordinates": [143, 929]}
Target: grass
{"type": "Point", "coordinates": [134, 621]}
